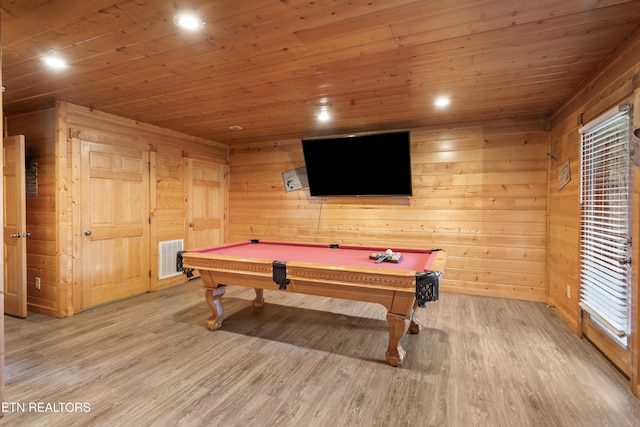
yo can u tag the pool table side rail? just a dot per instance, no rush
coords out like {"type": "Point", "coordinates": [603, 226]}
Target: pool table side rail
{"type": "Point", "coordinates": [439, 261]}
{"type": "Point", "coordinates": [436, 262]}
{"type": "Point", "coordinates": [354, 275]}
{"type": "Point", "coordinates": [248, 268]}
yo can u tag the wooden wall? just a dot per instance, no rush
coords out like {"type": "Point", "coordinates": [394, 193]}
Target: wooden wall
{"type": "Point", "coordinates": [50, 247]}
{"type": "Point", "coordinates": [479, 193]}
{"type": "Point", "coordinates": [615, 82]}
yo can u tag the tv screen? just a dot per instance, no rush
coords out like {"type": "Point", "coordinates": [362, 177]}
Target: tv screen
{"type": "Point", "coordinates": [362, 165]}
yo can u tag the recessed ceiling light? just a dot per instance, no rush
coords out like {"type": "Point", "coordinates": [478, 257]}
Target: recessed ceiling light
{"type": "Point", "coordinates": [55, 62]}
{"type": "Point", "coordinates": [443, 101]}
{"type": "Point", "coordinates": [188, 21]}
{"type": "Point", "coordinates": [324, 115]}
{"type": "Point", "coordinates": [235, 127]}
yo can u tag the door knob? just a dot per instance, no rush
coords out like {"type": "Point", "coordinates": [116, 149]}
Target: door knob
{"type": "Point", "coordinates": [26, 234]}
{"type": "Point", "coordinates": [15, 235]}
{"type": "Point", "coordinates": [191, 224]}
{"type": "Point", "coordinates": [87, 233]}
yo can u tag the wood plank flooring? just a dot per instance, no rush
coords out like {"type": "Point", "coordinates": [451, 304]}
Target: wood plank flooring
{"type": "Point", "coordinates": [307, 361]}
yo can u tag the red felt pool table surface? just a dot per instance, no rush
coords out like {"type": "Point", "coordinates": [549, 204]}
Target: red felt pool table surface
{"type": "Point", "coordinates": [417, 260]}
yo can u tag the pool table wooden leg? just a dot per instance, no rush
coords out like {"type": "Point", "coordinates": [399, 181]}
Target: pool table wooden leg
{"type": "Point", "coordinates": [213, 296]}
{"type": "Point", "coordinates": [398, 325]}
{"type": "Point", "coordinates": [258, 302]}
{"type": "Point", "coordinates": [416, 325]}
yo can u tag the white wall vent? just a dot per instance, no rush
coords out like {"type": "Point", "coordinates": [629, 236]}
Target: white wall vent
{"type": "Point", "coordinates": [167, 258]}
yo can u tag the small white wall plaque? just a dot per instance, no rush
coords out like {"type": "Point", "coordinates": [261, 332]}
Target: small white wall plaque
{"type": "Point", "coordinates": [295, 179]}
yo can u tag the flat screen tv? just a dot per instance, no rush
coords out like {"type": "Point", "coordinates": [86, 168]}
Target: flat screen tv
{"type": "Point", "coordinates": [362, 165]}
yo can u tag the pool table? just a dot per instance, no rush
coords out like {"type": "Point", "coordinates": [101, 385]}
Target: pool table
{"type": "Point", "coordinates": [338, 271]}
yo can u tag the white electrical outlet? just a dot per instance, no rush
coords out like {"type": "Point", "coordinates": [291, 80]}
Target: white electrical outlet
{"type": "Point", "coordinates": [37, 283]}
{"type": "Point", "coordinates": [568, 291]}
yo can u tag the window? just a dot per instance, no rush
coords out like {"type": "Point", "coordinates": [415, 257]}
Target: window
{"type": "Point", "coordinates": [605, 223]}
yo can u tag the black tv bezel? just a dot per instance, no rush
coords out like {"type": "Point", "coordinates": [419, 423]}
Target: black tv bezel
{"type": "Point", "coordinates": [404, 167]}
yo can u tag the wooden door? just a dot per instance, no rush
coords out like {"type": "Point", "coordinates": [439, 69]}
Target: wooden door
{"type": "Point", "coordinates": [206, 203]}
{"type": "Point", "coordinates": [15, 227]}
{"type": "Point", "coordinates": [115, 222]}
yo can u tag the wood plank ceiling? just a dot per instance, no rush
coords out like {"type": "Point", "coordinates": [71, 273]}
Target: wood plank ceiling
{"type": "Point", "coordinates": [269, 66]}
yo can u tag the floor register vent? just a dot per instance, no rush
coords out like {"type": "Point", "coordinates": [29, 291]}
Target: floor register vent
{"type": "Point", "coordinates": [167, 258]}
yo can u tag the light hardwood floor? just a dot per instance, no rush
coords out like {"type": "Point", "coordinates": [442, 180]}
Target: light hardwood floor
{"type": "Point", "coordinates": [308, 361]}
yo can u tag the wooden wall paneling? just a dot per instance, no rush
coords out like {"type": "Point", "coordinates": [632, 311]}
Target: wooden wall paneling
{"type": "Point", "coordinates": [62, 181]}
{"type": "Point", "coordinates": [171, 211]}
{"type": "Point", "coordinates": [167, 176]}
{"type": "Point", "coordinates": [170, 214]}
{"type": "Point", "coordinates": [109, 125]}
{"type": "Point", "coordinates": [613, 83]}
{"type": "Point", "coordinates": [170, 197]}
{"type": "Point", "coordinates": [188, 187]}
{"type": "Point", "coordinates": [479, 192]}
{"type": "Point", "coordinates": [564, 223]}
{"type": "Point", "coordinates": [53, 248]}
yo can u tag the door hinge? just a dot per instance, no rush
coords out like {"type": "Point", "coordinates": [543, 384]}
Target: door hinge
{"type": "Point", "coordinates": [149, 166]}
{"type": "Point", "coordinates": [149, 220]}
{"type": "Point", "coordinates": [149, 274]}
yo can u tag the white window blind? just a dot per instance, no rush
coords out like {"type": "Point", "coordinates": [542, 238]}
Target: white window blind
{"type": "Point", "coordinates": [605, 213]}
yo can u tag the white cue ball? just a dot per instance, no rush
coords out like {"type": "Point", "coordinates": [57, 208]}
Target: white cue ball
{"type": "Point", "coordinates": [389, 252]}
